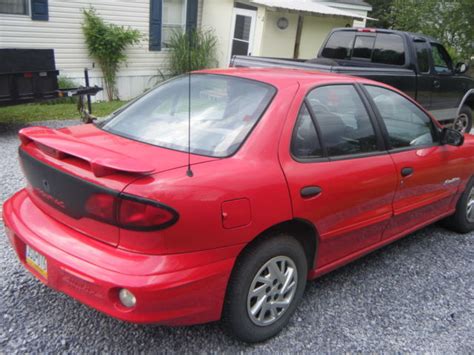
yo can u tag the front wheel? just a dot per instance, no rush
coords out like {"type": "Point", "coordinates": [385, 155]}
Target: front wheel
{"type": "Point", "coordinates": [463, 123]}
{"type": "Point", "coordinates": [265, 288]}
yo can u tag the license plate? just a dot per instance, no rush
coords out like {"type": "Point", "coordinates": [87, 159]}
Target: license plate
{"type": "Point", "coordinates": [37, 261]}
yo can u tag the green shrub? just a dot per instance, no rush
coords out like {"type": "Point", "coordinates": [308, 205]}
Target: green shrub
{"type": "Point", "coordinates": [66, 83]}
{"type": "Point", "coordinates": [106, 44]}
{"type": "Point", "coordinates": [190, 51]}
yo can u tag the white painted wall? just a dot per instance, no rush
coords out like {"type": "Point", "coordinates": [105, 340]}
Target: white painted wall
{"type": "Point", "coordinates": [217, 16]}
{"type": "Point", "coordinates": [63, 34]}
{"type": "Point", "coordinates": [276, 42]}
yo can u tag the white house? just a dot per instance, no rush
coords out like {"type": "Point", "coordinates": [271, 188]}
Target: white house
{"type": "Point", "coordinates": [280, 28]}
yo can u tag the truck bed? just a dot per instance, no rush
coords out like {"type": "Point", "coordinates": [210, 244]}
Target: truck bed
{"type": "Point", "coordinates": [403, 79]}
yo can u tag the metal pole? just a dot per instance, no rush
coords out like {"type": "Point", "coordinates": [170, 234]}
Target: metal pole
{"type": "Point", "coordinates": [89, 104]}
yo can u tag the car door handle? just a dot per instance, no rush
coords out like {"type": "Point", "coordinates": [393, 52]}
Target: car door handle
{"type": "Point", "coordinates": [436, 84]}
{"type": "Point", "coordinates": [407, 171]}
{"type": "Point", "coordinates": [310, 191]}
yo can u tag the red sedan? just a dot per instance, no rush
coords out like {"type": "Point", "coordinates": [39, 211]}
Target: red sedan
{"type": "Point", "coordinates": [182, 209]}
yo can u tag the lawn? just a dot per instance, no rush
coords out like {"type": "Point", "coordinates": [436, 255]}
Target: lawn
{"type": "Point", "coordinates": [62, 111]}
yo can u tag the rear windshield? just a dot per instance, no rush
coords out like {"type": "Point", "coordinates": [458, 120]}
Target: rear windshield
{"type": "Point", "coordinates": [224, 110]}
{"type": "Point", "coordinates": [383, 48]}
{"type": "Point", "coordinates": [339, 45]}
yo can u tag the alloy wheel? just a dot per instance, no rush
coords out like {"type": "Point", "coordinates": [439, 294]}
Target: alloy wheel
{"type": "Point", "coordinates": [272, 290]}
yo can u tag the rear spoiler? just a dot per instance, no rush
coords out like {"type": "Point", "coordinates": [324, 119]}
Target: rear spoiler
{"type": "Point", "coordinates": [102, 161]}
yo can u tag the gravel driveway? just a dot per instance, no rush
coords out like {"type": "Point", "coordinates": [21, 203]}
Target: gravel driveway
{"type": "Point", "coordinates": [415, 295]}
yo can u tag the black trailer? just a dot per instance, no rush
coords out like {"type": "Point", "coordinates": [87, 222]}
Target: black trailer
{"type": "Point", "coordinates": [30, 75]}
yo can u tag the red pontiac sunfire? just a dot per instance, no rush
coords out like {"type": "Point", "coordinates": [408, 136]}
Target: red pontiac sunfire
{"type": "Point", "coordinates": [292, 174]}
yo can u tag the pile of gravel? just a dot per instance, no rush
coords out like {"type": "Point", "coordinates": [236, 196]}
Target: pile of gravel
{"type": "Point", "coordinates": [415, 295]}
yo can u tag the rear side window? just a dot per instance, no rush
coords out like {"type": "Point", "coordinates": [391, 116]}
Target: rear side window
{"type": "Point", "coordinates": [343, 121]}
{"type": "Point", "coordinates": [406, 124]}
{"type": "Point", "coordinates": [305, 142]}
{"type": "Point", "coordinates": [389, 49]}
{"type": "Point", "coordinates": [223, 109]}
{"type": "Point", "coordinates": [339, 45]}
{"type": "Point", "coordinates": [422, 57]}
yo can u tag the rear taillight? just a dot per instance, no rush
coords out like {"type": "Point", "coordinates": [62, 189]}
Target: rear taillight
{"type": "Point", "coordinates": [102, 207]}
{"type": "Point", "coordinates": [130, 212]}
{"type": "Point", "coordinates": [141, 214]}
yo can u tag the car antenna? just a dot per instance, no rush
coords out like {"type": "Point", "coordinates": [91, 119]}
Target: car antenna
{"type": "Point", "coordinates": [189, 172]}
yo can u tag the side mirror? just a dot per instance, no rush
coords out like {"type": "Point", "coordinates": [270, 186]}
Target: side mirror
{"type": "Point", "coordinates": [461, 68]}
{"type": "Point", "coordinates": [452, 137]}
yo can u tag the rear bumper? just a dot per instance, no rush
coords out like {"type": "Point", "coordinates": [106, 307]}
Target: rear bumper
{"type": "Point", "coordinates": [179, 289]}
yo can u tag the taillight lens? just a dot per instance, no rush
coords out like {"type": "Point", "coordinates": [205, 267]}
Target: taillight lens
{"type": "Point", "coordinates": [102, 207]}
{"type": "Point", "coordinates": [135, 213]}
{"type": "Point", "coordinates": [130, 212]}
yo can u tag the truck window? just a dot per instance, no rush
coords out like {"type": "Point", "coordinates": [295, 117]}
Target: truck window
{"type": "Point", "coordinates": [389, 49]}
{"type": "Point", "coordinates": [441, 59]}
{"type": "Point", "coordinates": [363, 47]}
{"type": "Point", "coordinates": [422, 57]}
{"type": "Point", "coordinates": [339, 45]}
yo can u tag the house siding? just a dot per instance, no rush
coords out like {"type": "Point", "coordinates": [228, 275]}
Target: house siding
{"type": "Point", "coordinates": [63, 33]}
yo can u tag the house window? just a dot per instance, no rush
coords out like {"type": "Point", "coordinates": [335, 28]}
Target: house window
{"type": "Point", "coordinates": [14, 7]}
{"type": "Point", "coordinates": [174, 19]}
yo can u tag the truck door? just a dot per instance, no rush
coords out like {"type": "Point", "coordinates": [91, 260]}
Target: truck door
{"type": "Point", "coordinates": [446, 94]}
{"type": "Point", "coordinates": [424, 82]}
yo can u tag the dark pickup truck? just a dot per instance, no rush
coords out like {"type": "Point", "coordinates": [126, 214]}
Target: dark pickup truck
{"type": "Point", "coordinates": [415, 64]}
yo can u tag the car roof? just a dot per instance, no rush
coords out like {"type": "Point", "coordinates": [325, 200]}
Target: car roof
{"type": "Point", "coordinates": [284, 77]}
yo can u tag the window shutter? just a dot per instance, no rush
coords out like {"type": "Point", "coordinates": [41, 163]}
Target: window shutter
{"type": "Point", "coordinates": [191, 15]}
{"type": "Point", "coordinates": [156, 10]}
{"type": "Point", "coordinates": [39, 10]}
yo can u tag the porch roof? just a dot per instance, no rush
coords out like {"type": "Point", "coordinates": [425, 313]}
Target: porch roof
{"type": "Point", "coordinates": [309, 6]}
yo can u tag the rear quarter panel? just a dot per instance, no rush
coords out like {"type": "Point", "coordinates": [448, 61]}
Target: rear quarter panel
{"type": "Point", "coordinates": [252, 174]}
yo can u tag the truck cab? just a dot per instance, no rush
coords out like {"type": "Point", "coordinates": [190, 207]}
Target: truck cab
{"type": "Point", "coordinates": [440, 86]}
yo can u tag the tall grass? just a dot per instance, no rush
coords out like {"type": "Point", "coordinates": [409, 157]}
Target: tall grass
{"type": "Point", "coordinates": [190, 51]}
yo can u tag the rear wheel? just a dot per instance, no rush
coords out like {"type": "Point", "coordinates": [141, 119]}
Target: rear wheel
{"type": "Point", "coordinates": [462, 221]}
{"type": "Point", "coordinates": [463, 123]}
{"type": "Point", "coordinates": [265, 288]}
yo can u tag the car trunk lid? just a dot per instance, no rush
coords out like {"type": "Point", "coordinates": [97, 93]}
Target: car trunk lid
{"type": "Point", "coordinates": [65, 168]}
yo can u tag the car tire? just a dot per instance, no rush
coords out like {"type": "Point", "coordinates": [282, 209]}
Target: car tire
{"type": "Point", "coordinates": [462, 221]}
{"type": "Point", "coordinates": [256, 317]}
{"type": "Point", "coordinates": [463, 123]}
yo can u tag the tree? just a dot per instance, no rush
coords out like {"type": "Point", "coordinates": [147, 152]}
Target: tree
{"type": "Point", "coordinates": [381, 11]}
{"type": "Point", "coordinates": [451, 22]}
{"type": "Point", "coordinates": [106, 44]}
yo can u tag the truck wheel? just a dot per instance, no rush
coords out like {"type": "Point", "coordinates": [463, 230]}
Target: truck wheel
{"type": "Point", "coordinates": [463, 123]}
{"type": "Point", "coordinates": [265, 288]}
{"type": "Point", "coordinates": [462, 221]}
